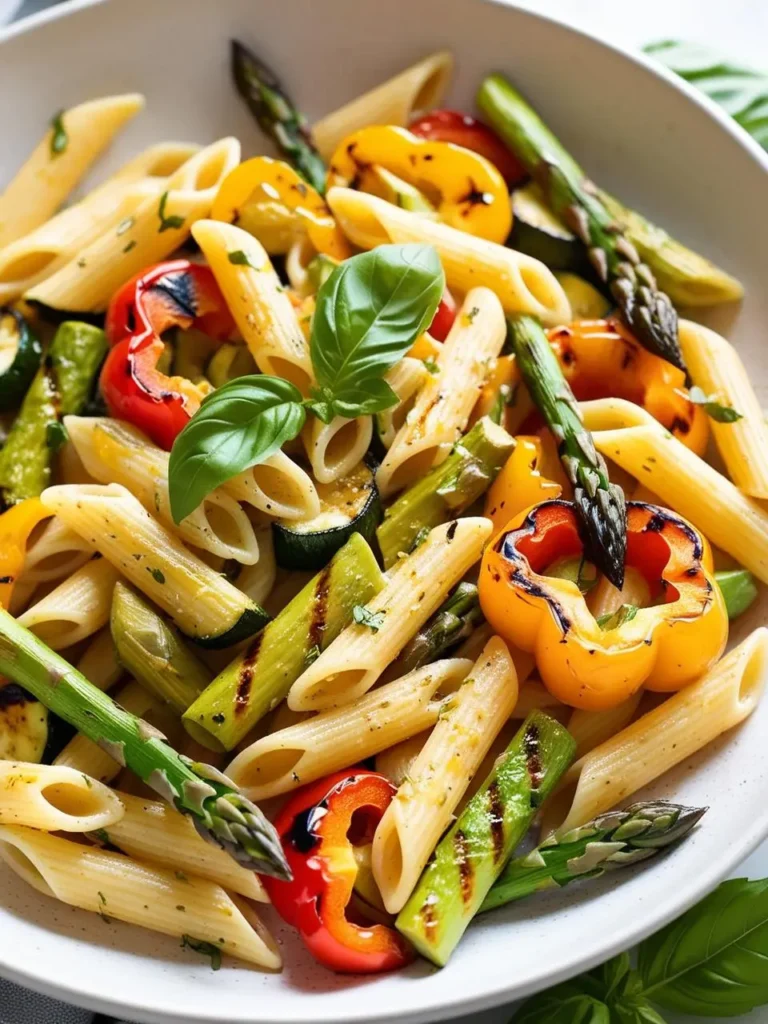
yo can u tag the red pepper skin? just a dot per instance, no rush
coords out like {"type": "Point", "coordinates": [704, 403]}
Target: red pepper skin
{"type": "Point", "coordinates": [464, 130]}
{"type": "Point", "coordinates": [176, 293]}
{"type": "Point", "coordinates": [313, 827]}
{"type": "Point", "coordinates": [444, 317]}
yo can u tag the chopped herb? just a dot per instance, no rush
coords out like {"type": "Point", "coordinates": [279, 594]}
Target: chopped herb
{"type": "Point", "coordinates": [219, 718]}
{"type": "Point", "coordinates": [613, 620]}
{"type": "Point", "coordinates": [157, 575]}
{"type": "Point", "coordinates": [312, 655]}
{"type": "Point", "coordinates": [714, 409]}
{"type": "Point", "coordinates": [102, 899]}
{"type": "Point", "coordinates": [166, 223]}
{"type": "Point", "coordinates": [131, 245]}
{"type": "Point", "coordinates": [241, 259]}
{"type": "Point", "coordinates": [365, 617]}
{"type": "Point", "coordinates": [419, 539]}
{"type": "Point", "coordinates": [181, 876]}
{"type": "Point", "coordinates": [55, 435]}
{"type": "Point", "coordinates": [181, 907]}
{"type": "Point", "coordinates": [431, 365]}
{"type": "Point", "coordinates": [82, 263]}
{"type": "Point", "coordinates": [101, 834]}
{"type": "Point", "coordinates": [87, 781]}
{"type": "Point", "coordinates": [204, 948]}
{"type": "Point", "coordinates": [125, 225]}
{"type": "Point", "coordinates": [59, 137]}
{"type": "Point", "coordinates": [472, 314]}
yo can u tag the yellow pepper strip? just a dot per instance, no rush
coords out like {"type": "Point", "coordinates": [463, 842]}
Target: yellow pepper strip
{"type": "Point", "coordinates": [469, 192]}
{"type": "Point", "coordinates": [263, 180]}
{"type": "Point", "coordinates": [663, 647]}
{"type": "Point", "coordinates": [520, 484]}
{"type": "Point", "coordinates": [425, 347]}
{"type": "Point", "coordinates": [15, 527]}
{"type": "Point", "coordinates": [601, 359]}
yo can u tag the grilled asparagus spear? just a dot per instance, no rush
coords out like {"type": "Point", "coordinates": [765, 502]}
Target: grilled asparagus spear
{"type": "Point", "coordinates": [454, 621]}
{"type": "Point", "coordinates": [647, 311]}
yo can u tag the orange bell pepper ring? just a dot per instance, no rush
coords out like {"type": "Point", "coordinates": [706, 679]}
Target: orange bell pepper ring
{"type": "Point", "coordinates": [264, 180]}
{"type": "Point", "coordinates": [601, 359]}
{"type": "Point", "coordinates": [16, 525]}
{"type": "Point", "coordinates": [663, 647]}
{"type": "Point", "coordinates": [470, 193]}
{"type": "Point", "coordinates": [520, 484]}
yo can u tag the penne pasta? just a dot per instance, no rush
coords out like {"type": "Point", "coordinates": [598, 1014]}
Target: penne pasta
{"type": "Point", "coordinates": [396, 762]}
{"type": "Point", "coordinates": [48, 176]}
{"type": "Point", "coordinates": [335, 448]}
{"type": "Point", "coordinates": [443, 406]}
{"type": "Point", "coordinates": [396, 101]}
{"type": "Point", "coordinates": [522, 283]}
{"type": "Point", "coordinates": [54, 798]}
{"type": "Point", "coordinates": [279, 487]}
{"type": "Point", "coordinates": [88, 281]}
{"type": "Point", "coordinates": [422, 809]}
{"type": "Point", "coordinates": [605, 599]}
{"type": "Point", "coordinates": [154, 897]}
{"type": "Point", "coordinates": [54, 552]}
{"type": "Point", "coordinates": [99, 663]}
{"type": "Point", "coordinates": [406, 379]}
{"type": "Point", "coordinates": [203, 604]}
{"type": "Point", "coordinates": [636, 441]}
{"type": "Point", "coordinates": [115, 452]}
{"type": "Point", "coordinates": [591, 728]}
{"type": "Point", "coordinates": [324, 743]}
{"type": "Point", "coordinates": [77, 608]}
{"type": "Point", "coordinates": [257, 581]}
{"type": "Point", "coordinates": [714, 365]}
{"type": "Point", "coordinates": [415, 588]}
{"type": "Point", "coordinates": [152, 831]}
{"type": "Point", "coordinates": [662, 738]}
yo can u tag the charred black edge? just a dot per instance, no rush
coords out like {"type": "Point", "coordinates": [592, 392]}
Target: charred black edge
{"type": "Point", "coordinates": [661, 517]}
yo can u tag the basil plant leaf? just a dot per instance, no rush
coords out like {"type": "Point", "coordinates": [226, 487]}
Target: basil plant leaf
{"type": "Point", "coordinates": [712, 960]}
{"type": "Point", "coordinates": [563, 1004]}
{"type": "Point", "coordinates": [238, 426]}
{"type": "Point", "coordinates": [369, 312]}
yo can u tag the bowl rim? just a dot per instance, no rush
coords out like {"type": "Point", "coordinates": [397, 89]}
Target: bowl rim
{"type": "Point", "coordinates": [494, 995]}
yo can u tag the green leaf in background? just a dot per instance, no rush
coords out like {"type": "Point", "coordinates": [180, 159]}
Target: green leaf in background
{"type": "Point", "coordinates": [238, 426]}
{"type": "Point", "coordinates": [563, 1004]}
{"type": "Point", "coordinates": [712, 961]}
{"type": "Point", "coordinates": [741, 92]}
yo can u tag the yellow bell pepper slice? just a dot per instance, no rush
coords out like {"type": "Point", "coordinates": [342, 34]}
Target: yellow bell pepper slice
{"type": "Point", "coordinates": [262, 181]}
{"type": "Point", "coordinates": [16, 525]}
{"type": "Point", "coordinates": [520, 484]}
{"type": "Point", "coordinates": [468, 191]}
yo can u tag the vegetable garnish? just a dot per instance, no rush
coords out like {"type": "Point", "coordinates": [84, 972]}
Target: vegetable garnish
{"type": "Point", "coordinates": [715, 410]}
{"type": "Point", "coordinates": [59, 137]}
{"type": "Point", "coordinates": [369, 312]}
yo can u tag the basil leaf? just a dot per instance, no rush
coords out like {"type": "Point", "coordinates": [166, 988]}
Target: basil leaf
{"type": "Point", "coordinates": [369, 312]}
{"type": "Point", "coordinates": [741, 92]}
{"type": "Point", "coordinates": [712, 960]}
{"type": "Point", "coordinates": [236, 427]}
{"type": "Point", "coordinates": [369, 396]}
{"type": "Point", "coordinates": [365, 617]}
{"type": "Point", "coordinates": [714, 409]}
{"type": "Point", "coordinates": [563, 1004]}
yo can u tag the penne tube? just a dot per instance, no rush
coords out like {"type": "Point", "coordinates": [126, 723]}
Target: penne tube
{"type": "Point", "coordinates": [257, 581]}
{"type": "Point", "coordinates": [48, 176]}
{"type": "Point", "coordinates": [279, 487]}
{"type": "Point", "coordinates": [636, 441]}
{"type": "Point", "coordinates": [443, 406]}
{"type": "Point", "coordinates": [714, 365]}
{"type": "Point", "coordinates": [54, 552]}
{"type": "Point", "coordinates": [406, 379]}
{"type": "Point", "coordinates": [113, 451]}
{"type": "Point", "coordinates": [335, 448]}
{"type": "Point", "coordinates": [416, 586]}
{"type": "Point", "coordinates": [153, 831]}
{"type": "Point", "coordinates": [159, 225]}
{"type": "Point", "coordinates": [54, 798]}
{"type": "Point", "coordinates": [591, 728]}
{"type": "Point", "coordinates": [76, 609]}
{"type": "Point", "coordinates": [396, 762]}
{"type": "Point", "coordinates": [605, 599]}
{"type": "Point", "coordinates": [334, 739]}
{"type": "Point", "coordinates": [204, 605]}
{"type": "Point", "coordinates": [523, 284]}
{"type": "Point", "coordinates": [98, 662]}
{"type": "Point", "coordinates": [396, 101]}
{"type": "Point", "coordinates": [662, 738]}
{"type": "Point", "coordinates": [424, 804]}
{"type": "Point", "coordinates": [119, 888]}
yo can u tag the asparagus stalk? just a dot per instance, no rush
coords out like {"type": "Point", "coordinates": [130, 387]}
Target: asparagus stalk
{"type": "Point", "coordinates": [599, 503]}
{"type": "Point", "coordinates": [611, 841]}
{"type": "Point", "coordinates": [446, 491]}
{"type": "Point", "coordinates": [471, 856]}
{"type": "Point", "coordinates": [273, 108]}
{"type": "Point", "coordinates": [220, 813]}
{"type": "Point", "coordinates": [647, 311]}
{"type": "Point", "coordinates": [454, 621]}
{"type": "Point", "coordinates": [153, 651]}
{"type": "Point", "coordinates": [738, 590]}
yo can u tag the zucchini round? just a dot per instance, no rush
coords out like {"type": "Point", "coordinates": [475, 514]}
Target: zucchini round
{"type": "Point", "coordinates": [347, 506]}
{"type": "Point", "coordinates": [23, 725]}
{"type": "Point", "coordinates": [587, 303]}
{"type": "Point", "coordinates": [20, 354]}
{"type": "Point", "coordinates": [538, 232]}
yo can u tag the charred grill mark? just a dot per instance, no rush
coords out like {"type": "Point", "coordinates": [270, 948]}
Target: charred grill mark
{"type": "Point", "coordinates": [6, 579]}
{"type": "Point", "coordinates": [680, 426]}
{"type": "Point", "coordinates": [245, 676]}
{"type": "Point", "coordinates": [179, 290]}
{"type": "Point", "coordinates": [475, 197]}
{"type": "Point", "coordinates": [527, 585]}
{"type": "Point", "coordinates": [496, 820]}
{"type": "Point", "coordinates": [532, 752]}
{"type": "Point", "coordinates": [319, 611]}
{"type": "Point", "coordinates": [303, 834]}
{"type": "Point", "coordinates": [654, 525]}
{"type": "Point", "coordinates": [12, 694]}
{"type": "Point", "coordinates": [466, 878]}
{"type": "Point", "coordinates": [451, 531]}
{"type": "Point", "coordinates": [661, 517]}
{"type": "Point", "coordinates": [428, 919]}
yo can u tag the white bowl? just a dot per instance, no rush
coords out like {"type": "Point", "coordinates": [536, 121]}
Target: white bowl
{"type": "Point", "coordinates": [641, 134]}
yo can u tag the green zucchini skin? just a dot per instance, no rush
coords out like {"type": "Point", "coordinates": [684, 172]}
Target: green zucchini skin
{"type": "Point", "coordinates": [446, 491]}
{"type": "Point", "coordinates": [260, 677]}
{"type": "Point", "coordinates": [586, 302]}
{"type": "Point", "coordinates": [15, 380]}
{"type": "Point", "coordinates": [538, 232]}
{"type": "Point", "coordinates": [61, 387]}
{"type": "Point", "coordinates": [251, 621]}
{"type": "Point", "coordinates": [23, 725]}
{"type": "Point", "coordinates": [299, 546]}
{"type": "Point", "coordinates": [470, 857]}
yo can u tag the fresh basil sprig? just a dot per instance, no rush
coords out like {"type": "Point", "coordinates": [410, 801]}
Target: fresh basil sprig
{"type": "Point", "coordinates": [714, 409]}
{"type": "Point", "coordinates": [368, 314]}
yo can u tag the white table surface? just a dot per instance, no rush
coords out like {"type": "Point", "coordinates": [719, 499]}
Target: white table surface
{"type": "Point", "coordinates": [739, 29]}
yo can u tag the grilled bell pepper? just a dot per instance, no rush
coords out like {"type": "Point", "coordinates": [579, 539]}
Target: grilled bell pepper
{"type": "Point", "coordinates": [523, 481]}
{"type": "Point", "coordinates": [16, 525]}
{"type": "Point", "coordinates": [172, 294]}
{"type": "Point", "coordinates": [663, 647]}
{"type": "Point", "coordinates": [465, 130]}
{"type": "Point", "coordinates": [263, 180]}
{"type": "Point", "coordinates": [314, 828]}
{"type": "Point", "coordinates": [472, 194]}
{"type": "Point", "coordinates": [601, 359]}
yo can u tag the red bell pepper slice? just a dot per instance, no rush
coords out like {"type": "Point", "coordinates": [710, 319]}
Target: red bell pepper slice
{"type": "Point", "coordinates": [176, 293]}
{"type": "Point", "coordinates": [465, 130]}
{"type": "Point", "coordinates": [314, 828]}
{"type": "Point", "coordinates": [445, 314]}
